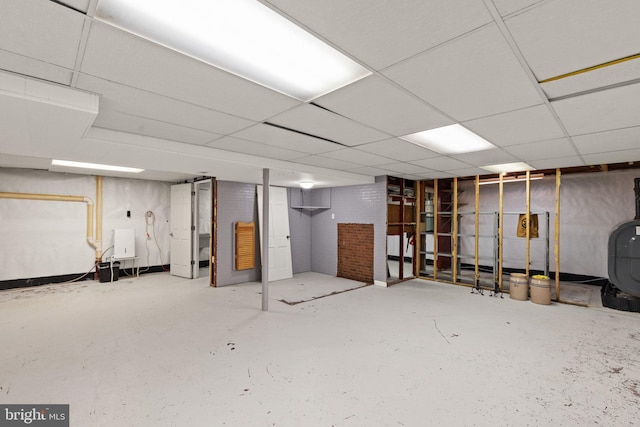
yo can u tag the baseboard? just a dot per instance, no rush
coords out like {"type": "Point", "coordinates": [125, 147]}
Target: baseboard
{"type": "Point", "coordinates": [380, 283]}
{"type": "Point", "coordinates": [51, 280]}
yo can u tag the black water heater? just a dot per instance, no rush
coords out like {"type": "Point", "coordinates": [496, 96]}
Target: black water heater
{"type": "Point", "coordinates": [624, 252]}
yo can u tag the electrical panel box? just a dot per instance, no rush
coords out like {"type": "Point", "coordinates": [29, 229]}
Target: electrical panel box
{"type": "Point", "coordinates": [124, 243]}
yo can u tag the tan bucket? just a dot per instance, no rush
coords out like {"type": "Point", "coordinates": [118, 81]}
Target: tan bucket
{"type": "Point", "coordinates": [518, 286]}
{"type": "Point", "coordinates": [540, 290]}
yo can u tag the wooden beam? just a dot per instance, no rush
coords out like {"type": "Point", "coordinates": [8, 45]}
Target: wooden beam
{"type": "Point", "coordinates": [557, 235]}
{"type": "Point", "coordinates": [477, 232]}
{"type": "Point", "coordinates": [436, 201]}
{"type": "Point", "coordinates": [528, 222]}
{"type": "Point", "coordinates": [500, 230]}
{"type": "Point", "coordinates": [454, 233]}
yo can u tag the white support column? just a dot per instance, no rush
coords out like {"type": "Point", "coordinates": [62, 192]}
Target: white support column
{"type": "Point", "coordinates": [265, 239]}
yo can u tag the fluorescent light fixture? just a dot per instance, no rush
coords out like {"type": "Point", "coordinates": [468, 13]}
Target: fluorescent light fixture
{"type": "Point", "coordinates": [83, 165]}
{"type": "Point", "coordinates": [307, 184]}
{"type": "Point", "coordinates": [243, 37]}
{"type": "Point", "coordinates": [508, 167]}
{"type": "Point", "coordinates": [506, 179]}
{"type": "Point", "coordinates": [452, 139]}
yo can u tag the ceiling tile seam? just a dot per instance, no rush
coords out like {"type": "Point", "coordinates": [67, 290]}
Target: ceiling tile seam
{"type": "Point", "coordinates": [82, 48]}
{"type": "Point", "coordinates": [267, 145]}
{"type": "Point", "coordinates": [40, 79]}
{"type": "Point", "coordinates": [526, 9]}
{"type": "Point", "coordinates": [68, 6]}
{"type": "Point", "coordinates": [355, 147]}
{"type": "Point", "coordinates": [304, 133]}
{"type": "Point", "coordinates": [491, 7]}
{"type": "Point", "coordinates": [595, 90]}
{"type": "Point", "coordinates": [437, 46]}
{"type": "Point", "coordinates": [607, 131]}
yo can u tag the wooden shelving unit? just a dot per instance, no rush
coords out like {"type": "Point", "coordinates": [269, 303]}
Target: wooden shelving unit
{"type": "Point", "coordinates": [401, 222]}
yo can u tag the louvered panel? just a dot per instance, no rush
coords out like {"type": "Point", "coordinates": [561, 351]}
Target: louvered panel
{"type": "Point", "coordinates": [245, 245]}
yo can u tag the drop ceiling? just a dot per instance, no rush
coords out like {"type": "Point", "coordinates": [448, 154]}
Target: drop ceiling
{"type": "Point", "coordinates": [75, 88]}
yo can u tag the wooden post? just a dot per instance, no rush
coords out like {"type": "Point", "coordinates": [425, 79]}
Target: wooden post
{"type": "Point", "coordinates": [417, 236]}
{"type": "Point", "coordinates": [454, 233]}
{"type": "Point", "coordinates": [436, 200]}
{"type": "Point", "coordinates": [528, 222]}
{"type": "Point", "coordinates": [500, 231]}
{"type": "Point", "coordinates": [557, 235]}
{"type": "Point", "coordinates": [477, 232]}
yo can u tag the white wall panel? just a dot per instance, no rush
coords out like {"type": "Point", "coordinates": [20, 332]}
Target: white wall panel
{"type": "Point", "coordinates": [43, 238]}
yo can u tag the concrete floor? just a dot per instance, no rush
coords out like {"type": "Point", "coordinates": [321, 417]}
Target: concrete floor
{"type": "Point", "coordinates": [164, 351]}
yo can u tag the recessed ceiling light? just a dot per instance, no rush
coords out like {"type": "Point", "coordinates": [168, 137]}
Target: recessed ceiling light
{"type": "Point", "coordinates": [83, 165]}
{"type": "Point", "coordinates": [508, 167]}
{"type": "Point", "coordinates": [452, 139]}
{"type": "Point", "coordinates": [243, 37]}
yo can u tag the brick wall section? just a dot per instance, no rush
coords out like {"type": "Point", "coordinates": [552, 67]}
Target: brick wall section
{"type": "Point", "coordinates": [363, 204]}
{"type": "Point", "coordinates": [355, 252]}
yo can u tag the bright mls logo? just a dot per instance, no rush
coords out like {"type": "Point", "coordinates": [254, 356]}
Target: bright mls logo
{"type": "Point", "coordinates": [34, 415]}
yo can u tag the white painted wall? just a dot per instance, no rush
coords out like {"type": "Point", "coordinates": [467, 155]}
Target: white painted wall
{"type": "Point", "coordinates": [591, 205]}
{"type": "Point", "coordinates": [43, 238]}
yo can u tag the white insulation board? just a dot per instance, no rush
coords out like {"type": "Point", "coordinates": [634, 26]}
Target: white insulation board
{"type": "Point", "coordinates": [591, 206]}
{"type": "Point", "coordinates": [44, 238]}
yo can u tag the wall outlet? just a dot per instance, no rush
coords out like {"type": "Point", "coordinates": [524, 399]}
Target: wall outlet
{"type": "Point", "coordinates": [333, 216]}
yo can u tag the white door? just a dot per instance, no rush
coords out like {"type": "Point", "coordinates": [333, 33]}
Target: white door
{"type": "Point", "coordinates": [279, 240]}
{"type": "Point", "coordinates": [181, 232]}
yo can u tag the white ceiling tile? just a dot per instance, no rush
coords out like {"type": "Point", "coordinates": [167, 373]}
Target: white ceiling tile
{"type": "Point", "coordinates": [606, 110]}
{"type": "Point", "coordinates": [116, 55]}
{"type": "Point", "coordinates": [381, 105]}
{"type": "Point", "coordinates": [371, 171]}
{"type": "Point", "coordinates": [125, 99]}
{"type": "Point", "coordinates": [382, 33]}
{"type": "Point", "coordinates": [325, 162]}
{"type": "Point", "coordinates": [283, 138]}
{"type": "Point", "coordinates": [42, 30]}
{"type": "Point", "coordinates": [397, 149]}
{"type": "Point", "coordinates": [559, 37]}
{"type": "Point", "coordinates": [254, 148]}
{"type": "Point", "coordinates": [602, 142]}
{"type": "Point", "coordinates": [436, 175]}
{"type": "Point", "coordinates": [147, 127]}
{"type": "Point", "coordinates": [404, 168]}
{"type": "Point", "coordinates": [325, 124]}
{"type": "Point", "coordinates": [442, 163]}
{"type": "Point", "coordinates": [624, 72]}
{"type": "Point", "coordinates": [560, 162]}
{"type": "Point", "coordinates": [359, 157]}
{"type": "Point", "coordinates": [613, 157]}
{"type": "Point", "coordinates": [517, 127]}
{"type": "Point", "coordinates": [486, 157]}
{"type": "Point", "coordinates": [474, 76]}
{"type": "Point", "coordinates": [32, 67]}
{"type": "Point", "coordinates": [542, 150]}
{"type": "Point", "coordinates": [468, 172]}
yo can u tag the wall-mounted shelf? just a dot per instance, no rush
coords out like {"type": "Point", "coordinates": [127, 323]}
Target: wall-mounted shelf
{"type": "Point", "coordinates": [311, 208]}
{"type": "Point", "coordinates": [311, 200]}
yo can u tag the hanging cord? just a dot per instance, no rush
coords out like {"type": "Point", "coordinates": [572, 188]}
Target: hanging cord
{"type": "Point", "coordinates": [150, 221]}
{"type": "Point", "coordinates": [94, 267]}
